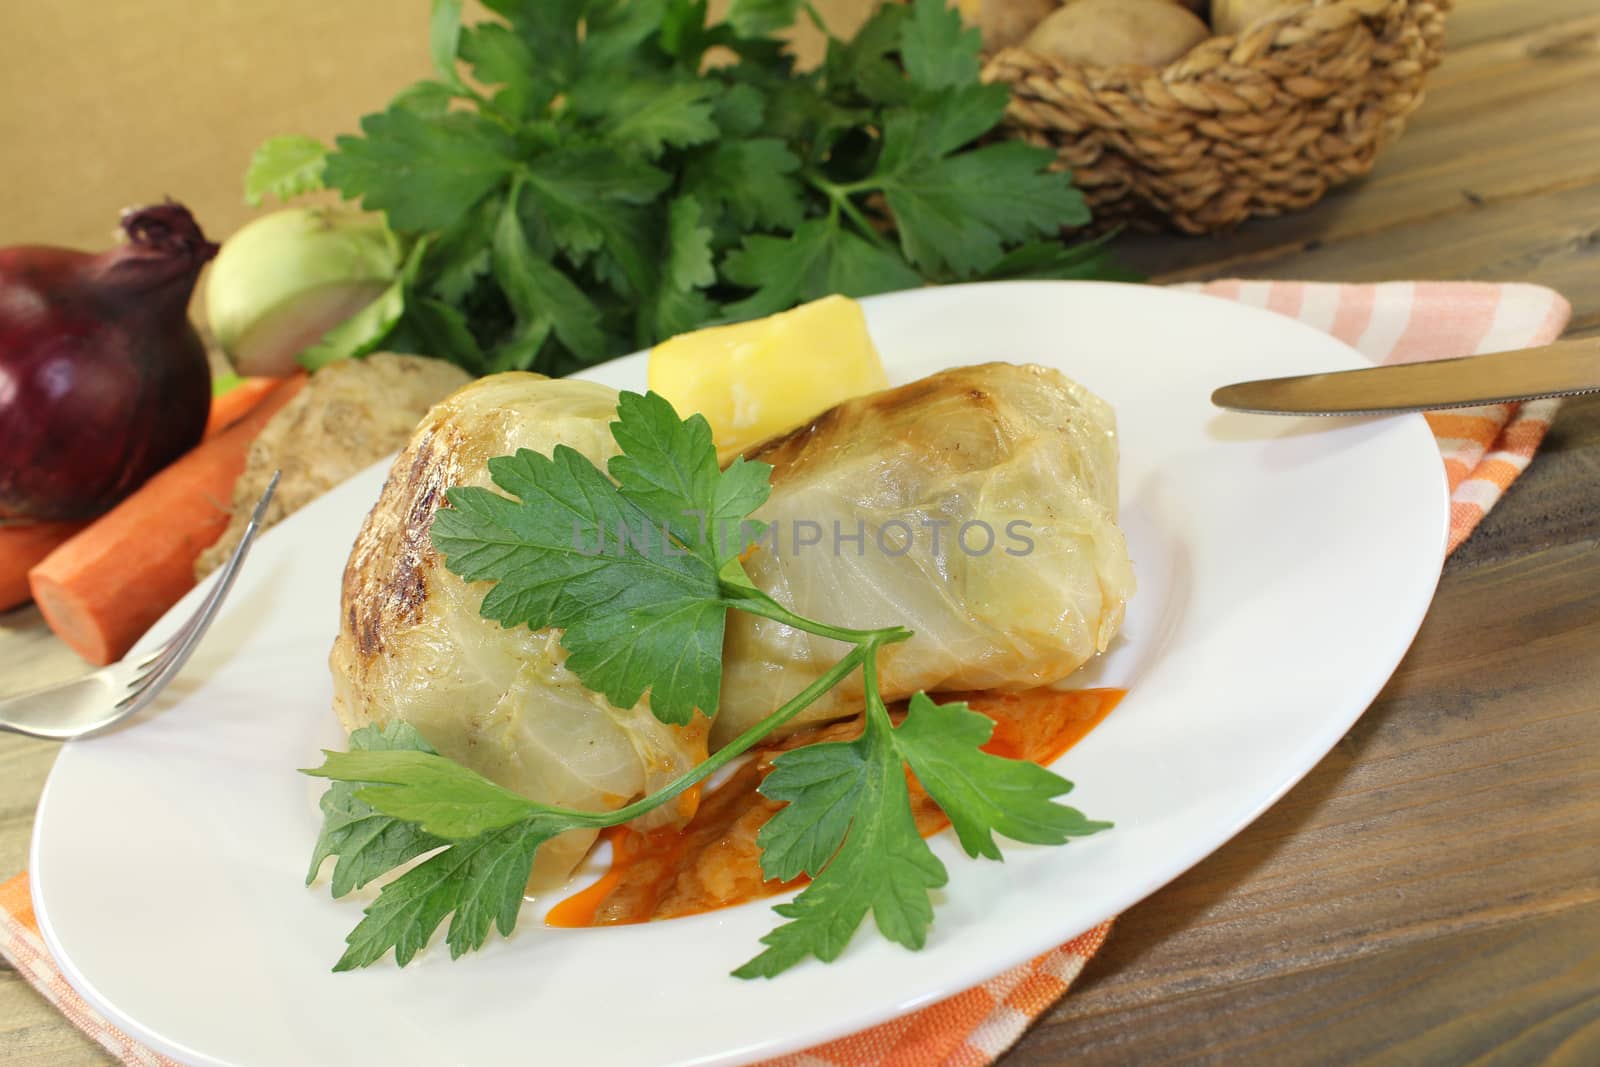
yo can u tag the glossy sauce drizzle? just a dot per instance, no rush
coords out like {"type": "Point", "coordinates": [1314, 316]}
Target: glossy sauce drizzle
{"type": "Point", "coordinates": [714, 861]}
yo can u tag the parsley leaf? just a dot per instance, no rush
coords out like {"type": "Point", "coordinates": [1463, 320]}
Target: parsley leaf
{"type": "Point", "coordinates": [821, 786]}
{"type": "Point", "coordinates": [393, 798]}
{"type": "Point", "coordinates": [572, 540]}
{"type": "Point", "coordinates": [1047, 259]}
{"type": "Point", "coordinates": [367, 842]}
{"type": "Point", "coordinates": [689, 247]}
{"type": "Point", "coordinates": [942, 226]}
{"type": "Point", "coordinates": [461, 256]}
{"type": "Point", "coordinates": [751, 179]}
{"type": "Point", "coordinates": [442, 330]}
{"type": "Point", "coordinates": [478, 881]}
{"type": "Point", "coordinates": [424, 174]}
{"type": "Point", "coordinates": [441, 797]}
{"type": "Point", "coordinates": [957, 118]}
{"type": "Point", "coordinates": [681, 303]}
{"type": "Point", "coordinates": [426, 99]}
{"type": "Point", "coordinates": [648, 116]}
{"type": "Point", "coordinates": [444, 37]}
{"type": "Point", "coordinates": [500, 57]}
{"type": "Point", "coordinates": [865, 64]}
{"type": "Point", "coordinates": [753, 18]}
{"type": "Point", "coordinates": [984, 794]}
{"type": "Point", "coordinates": [939, 50]}
{"type": "Point", "coordinates": [588, 199]}
{"type": "Point", "coordinates": [847, 822]}
{"type": "Point", "coordinates": [820, 258]}
{"type": "Point", "coordinates": [882, 865]}
{"type": "Point", "coordinates": [285, 167]}
{"type": "Point", "coordinates": [668, 467]}
{"type": "Point", "coordinates": [539, 293]}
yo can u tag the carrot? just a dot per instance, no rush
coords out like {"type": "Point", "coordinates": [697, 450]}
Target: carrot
{"type": "Point", "coordinates": [229, 407]}
{"type": "Point", "coordinates": [23, 545]}
{"type": "Point", "coordinates": [103, 588]}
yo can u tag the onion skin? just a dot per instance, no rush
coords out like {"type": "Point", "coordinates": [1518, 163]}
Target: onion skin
{"type": "Point", "coordinates": [103, 381]}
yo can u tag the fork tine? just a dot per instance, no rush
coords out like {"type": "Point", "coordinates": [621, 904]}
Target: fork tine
{"type": "Point", "coordinates": [161, 651]}
{"type": "Point", "coordinates": [159, 668]}
{"type": "Point", "coordinates": [80, 708]}
{"type": "Point", "coordinates": [151, 657]}
{"type": "Point", "coordinates": [220, 589]}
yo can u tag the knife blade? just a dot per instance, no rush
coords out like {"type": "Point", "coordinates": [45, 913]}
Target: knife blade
{"type": "Point", "coordinates": [1561, 369]}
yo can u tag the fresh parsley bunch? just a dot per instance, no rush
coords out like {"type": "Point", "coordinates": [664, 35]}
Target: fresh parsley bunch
{"type": "Point", "coordinates": [650, 619]}
{"type": "Point", "coordinates": [586, 177]}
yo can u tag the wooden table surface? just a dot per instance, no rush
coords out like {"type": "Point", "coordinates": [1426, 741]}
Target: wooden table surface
{"type": "Point", "coordinates": [1430, 894]}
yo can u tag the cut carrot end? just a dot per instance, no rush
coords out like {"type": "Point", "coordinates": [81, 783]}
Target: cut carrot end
{"type": "Point", "coordinates": [22, 546]}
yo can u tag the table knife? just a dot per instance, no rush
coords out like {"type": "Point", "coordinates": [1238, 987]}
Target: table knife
{"type": "Point", "coordinates": [1560, 369]}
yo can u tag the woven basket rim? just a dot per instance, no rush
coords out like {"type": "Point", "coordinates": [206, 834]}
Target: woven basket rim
{"type": "Point", "coordinates": [1184, 68]}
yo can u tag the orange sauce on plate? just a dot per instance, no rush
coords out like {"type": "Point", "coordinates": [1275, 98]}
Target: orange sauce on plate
{"type": "Point", "coordinates": [714, 861]}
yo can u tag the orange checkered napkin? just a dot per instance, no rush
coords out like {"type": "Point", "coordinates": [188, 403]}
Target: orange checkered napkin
{"type": "Point", "coordinates": [1483, 449]}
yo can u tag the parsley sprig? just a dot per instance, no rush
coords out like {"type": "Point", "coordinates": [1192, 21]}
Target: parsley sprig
{"type": "Point", "coordinates": [649, 618]}
{"type": "Point", "coordinates": [583, 181]}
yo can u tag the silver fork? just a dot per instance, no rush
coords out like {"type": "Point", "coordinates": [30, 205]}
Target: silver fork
{"type": "Point", "coordinates": [87, 705]}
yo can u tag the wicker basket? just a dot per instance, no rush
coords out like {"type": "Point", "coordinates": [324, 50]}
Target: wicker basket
{"type": "Point", "coordinates": [1258, 124]}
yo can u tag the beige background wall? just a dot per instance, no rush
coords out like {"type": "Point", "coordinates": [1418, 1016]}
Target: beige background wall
{"type": "Point", "coordinates": [105, 104]}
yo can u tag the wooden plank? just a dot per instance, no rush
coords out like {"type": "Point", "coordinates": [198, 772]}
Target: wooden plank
{"type": "Point", "coordinates": [1550, 240]}
{"type": "Point", "coordinates": [30, 655]}
{"type": "Point", "coordinates": [33, 1034]}
{"type": "Point", "coordinates": [1512, 68]}
{"type": "Point", "coordinates": [24, 764]}
{"type": "Point", "coordinates": [1507, 120]}
{"type": "Point", "coordinates": [1473, 94]}
{"type": "Point", "coordinates": [1526, 992]}
{"type": "Point", "coordinates": [1554, 500]}
{"type": "Point", "coordinates": [1475, 21]}
{"type": "Point", "coordinates": [1460, 803]}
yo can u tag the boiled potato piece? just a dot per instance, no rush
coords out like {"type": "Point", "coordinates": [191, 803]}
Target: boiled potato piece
{"type": "Point", "coordinates": [1110, 33]}
{"type": "Point", "coordinates": [1229, 17]}
{"type": "Point", "coordinates": [754, 380]}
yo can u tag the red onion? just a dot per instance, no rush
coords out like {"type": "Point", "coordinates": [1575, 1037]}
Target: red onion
{"type": "Point", "coordinates": [103, 381]}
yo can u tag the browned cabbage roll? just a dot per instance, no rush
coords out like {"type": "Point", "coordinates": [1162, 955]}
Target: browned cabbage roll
{"type": "Point", "coordinates": [412, 646]}
{"type": "Point", "coordinates": [1000, 484]}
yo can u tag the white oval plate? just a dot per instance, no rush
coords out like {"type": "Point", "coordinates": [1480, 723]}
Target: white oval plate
{"type": "Point", "coordinates": [1284, 566]}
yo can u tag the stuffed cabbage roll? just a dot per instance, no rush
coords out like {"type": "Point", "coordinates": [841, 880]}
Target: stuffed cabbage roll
{"type": "Point", "coordinates": [976, 507]}
{"type": "Point", "coordinates": [413, 647]}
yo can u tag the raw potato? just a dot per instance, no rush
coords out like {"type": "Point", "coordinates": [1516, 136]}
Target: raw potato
{"type": "Point", "coordinates": [1230, 17]}
{"type": "Point", "coordinates": [1110, 33]}
{"type": "Point", "coordinates": [350, 415]}
{"type": "Point", "coordinates": [1004, 23]}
